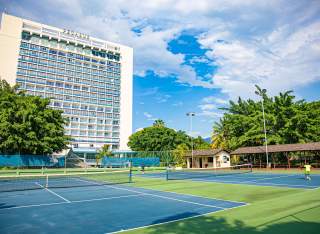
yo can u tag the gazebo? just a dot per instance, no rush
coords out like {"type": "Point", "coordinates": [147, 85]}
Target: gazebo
{"type": "Point", "coordinates": [304, 151]}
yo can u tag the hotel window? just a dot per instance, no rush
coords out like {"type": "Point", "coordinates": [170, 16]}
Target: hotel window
{"type": "Point", "coordinates": [26, 36]}
{"type": "Point", "coordinates": [85, 88]}
{"type": "Point", "coordinates": [83, 120]}
{"type": "Point", "coordinates": [24, 45]}
{"type": "Point", "coordinates": [75, 132]}
{"type": "Point", "coordinates": [66, 105]}
{"type": "Point", "coordinates": [75, 106]}
{"type": "Point", "coordinates": [29, 86]}
{"type": "Point", "coordinates": [34, 47]}
{"type": "Point", "coordinates": [44, 41]}
{"type": "Point", "coordinates": [52, 56]}
{"type": "Point", "coordinates": [50, 83]}
{"type": "Point", "coordinates": [100, 109]}
{"type": "Point", "coordinates": [40, 88]}
{"type": "Point", "coordinates": [59, 84]}
{"type": "Point", "coordinates": [62, 45]}
{"type": "Point", "coordinates": [70, 47]}
{"type": "Point", "coordinates": [33, 53]}
{"type": "Point", "coordinates": [83, 107]}
{"type": "Point", "coordinates": [54, 43]}
{"type": "Point", "coordinates": [74, 125]}
{"type": "Point", "coordinates": [52, 51]}
{"type": "Point", "coordinates": [57, 104]}
{"type": "Point", "coordinates": [44, 49]}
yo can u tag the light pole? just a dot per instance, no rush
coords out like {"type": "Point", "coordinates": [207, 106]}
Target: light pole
{"type": "Point", "coordinates": [264, 122]}
{"type": "Point", "coordinates": [191, 114]}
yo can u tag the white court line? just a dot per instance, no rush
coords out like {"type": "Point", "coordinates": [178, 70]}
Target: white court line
{"type": "Point", "coordinates": [79, 201]}
{"type": "Point", "coordinates": [176, 220]}
{"type": "Point", "coordinates": [270, 178]}
{"type": "Point", "coordinates": [169, 198]}
{"type": "Point", "coordinates": [290, 186]}
{"type": "Point", "coordinates": [106, 198]}
{"type": "Point", "coordinates": [36, 205]}
{"type": "Point", "coordinates": [154, 195]}
{"type": "Point", "coordinates": [196, 196]}
{"type": "Point", "coordinates": [50, 191]}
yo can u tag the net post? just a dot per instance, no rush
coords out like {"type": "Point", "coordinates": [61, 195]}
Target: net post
{"type": "Point", "coordinates": [42, 172]}
{"type": "Point", "coordinates": [167, 172]}
{"type": "Point", "coordinates": [65, 164]}
{"type": "Point", "coordinates": [130, 172]}
{"type": "Point", "coordinates": [47, 181]}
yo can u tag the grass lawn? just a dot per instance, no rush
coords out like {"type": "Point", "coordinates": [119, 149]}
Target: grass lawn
{"type": "Point", "coordinates": [270, 209]}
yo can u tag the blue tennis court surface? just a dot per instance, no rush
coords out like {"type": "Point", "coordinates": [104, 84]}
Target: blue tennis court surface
{"type": "Point", "coordinates": [98, 209]}
{"type": "Point", "coordinates": [259, 179]}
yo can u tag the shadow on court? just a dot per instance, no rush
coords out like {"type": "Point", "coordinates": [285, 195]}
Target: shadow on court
{"type": "Point", "coordinates": [221, 225]}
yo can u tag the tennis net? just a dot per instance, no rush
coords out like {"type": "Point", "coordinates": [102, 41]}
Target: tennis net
{"type": "Point", "coordinates": [194, 173]}
{"type": "Point", "coordinates": [29, 182]}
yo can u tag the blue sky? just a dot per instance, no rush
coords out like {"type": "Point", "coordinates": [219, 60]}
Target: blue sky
{"type": "Point", "coordinates": [197, 55]}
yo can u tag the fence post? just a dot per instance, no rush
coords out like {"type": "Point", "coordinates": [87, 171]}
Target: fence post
{"type": "Point", "coordinates": [167, 172]}
{"type": "Point", "coordinates": [130, 172]}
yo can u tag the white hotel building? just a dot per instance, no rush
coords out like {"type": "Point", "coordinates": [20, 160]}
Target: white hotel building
{"type": "Point", "coordinates": [88, 78]}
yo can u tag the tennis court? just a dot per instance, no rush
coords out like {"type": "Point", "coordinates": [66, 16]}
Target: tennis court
{"type": "Point", "coordinates": [242, 176]}
{"type": "Point", "coordinates": [82, 203]}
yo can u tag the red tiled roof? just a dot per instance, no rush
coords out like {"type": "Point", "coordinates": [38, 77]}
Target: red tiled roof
{"type": "Point", "coordinates": [208, 152]}
{"type": "Point", "coordinates": [314, 146]}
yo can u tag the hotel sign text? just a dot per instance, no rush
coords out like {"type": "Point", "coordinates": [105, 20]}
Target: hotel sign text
{"type": "Point", "coordinates": [76, 34]}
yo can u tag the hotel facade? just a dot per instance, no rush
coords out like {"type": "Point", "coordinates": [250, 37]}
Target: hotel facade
{"type": "Point", "coordinates": [89, 79]}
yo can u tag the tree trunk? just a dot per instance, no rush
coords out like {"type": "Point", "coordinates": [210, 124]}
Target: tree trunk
{"type": "Point", "coordinates": [288, 158]}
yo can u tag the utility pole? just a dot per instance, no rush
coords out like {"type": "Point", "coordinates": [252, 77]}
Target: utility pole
{"type": "Point", "coordinates": [261, 94]}
{"type": "Point", "coordinates": [191, 115]}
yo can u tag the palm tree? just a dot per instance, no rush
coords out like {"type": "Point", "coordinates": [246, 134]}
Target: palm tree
{"type": "Point", "coordinates": [104, 151]}
{"type": "Point", "coordinates": [219, 137]}
{"type": "Point", "coordinates": [159, 123]}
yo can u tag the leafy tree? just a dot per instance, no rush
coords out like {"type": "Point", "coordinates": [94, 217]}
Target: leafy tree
{"type": "Point", "coordinates": [104, 151]}
{"type": "Point", "coordinates": [179, 155]}
{"type": "Point", "coordinates": [28, 125]}
{"type": "Point", "coordinates": [199, 143]}
{"type": "Point", "coordinates": [156, 138]}
{"type": "Point", "coordinates": [287, 121]}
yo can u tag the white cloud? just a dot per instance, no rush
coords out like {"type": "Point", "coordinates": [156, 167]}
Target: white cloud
{"type": "Point", "coordinates": [138, 129]}
{"type": "Point", "coordinates": [199, 59]}
{"type": "Point", "coordinates": [274, 44]}
{"type": "Point", "coordinates": [211, 114]}
{"type": "Point", "coordinates": [283, 60]}
{"type": "Point", "coordinates": [178, 104]}
{"type": "Point", "coordinates": [146, 114]}
{"type": "Point", "coordinates": [163, 98]}
{"type": "Point", "coordinates": [149, 116]}
{"type": "Point", "coordinates": [214, 99]}
{"type": "Point", "coordinates": [207, 107]}
{"type": "Point", "coordinates": [148, 92]}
